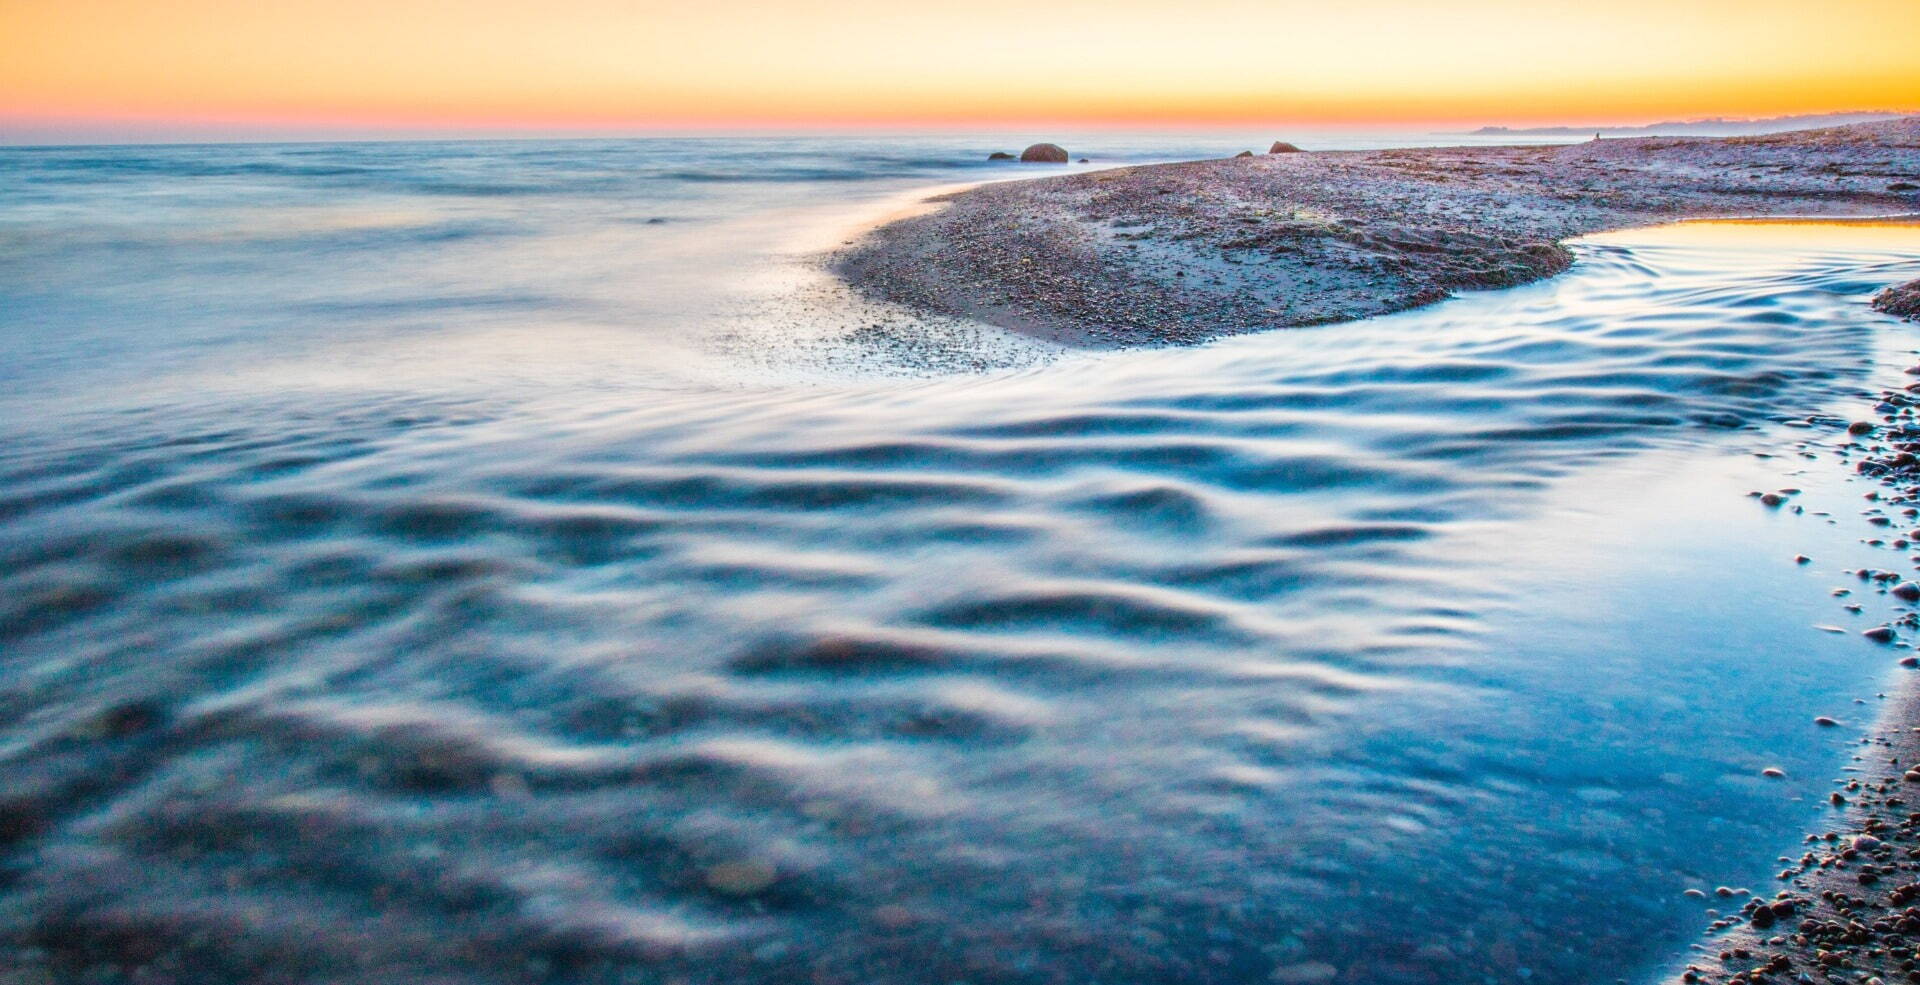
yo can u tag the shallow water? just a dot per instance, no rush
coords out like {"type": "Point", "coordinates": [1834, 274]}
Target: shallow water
{"type": "Point", "coordinates": [372, 628]}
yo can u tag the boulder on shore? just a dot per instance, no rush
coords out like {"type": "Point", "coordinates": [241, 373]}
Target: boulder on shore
{"type": "Point", "coordinates": [999, 155]}
{"type": "Point", "coordinates": [1282, 147]}
{"type": "Point", "coordinates": [1244, 153]}
{"type": "Point", "coordinates": [1044, 154]}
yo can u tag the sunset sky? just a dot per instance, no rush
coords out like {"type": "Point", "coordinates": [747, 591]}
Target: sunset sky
{"type": "Point", "coordinates": [146, 66]}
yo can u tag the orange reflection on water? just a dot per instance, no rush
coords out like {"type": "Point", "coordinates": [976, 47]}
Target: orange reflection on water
{"type": "Point", "coordinates": [1896, 232]}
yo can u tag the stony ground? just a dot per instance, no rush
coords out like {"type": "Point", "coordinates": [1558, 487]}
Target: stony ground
{"type": "Point", "coordinates": [1849, 909]}
{"type": "Point", "coordinates": [1184, 252]}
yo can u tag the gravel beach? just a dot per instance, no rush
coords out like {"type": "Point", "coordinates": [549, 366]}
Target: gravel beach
{"type": "Point", "coordinates": [1847, 905]}
{"type": "Point", "coordinates": [1179, 253]}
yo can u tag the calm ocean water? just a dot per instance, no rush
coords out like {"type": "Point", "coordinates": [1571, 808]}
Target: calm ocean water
{"type": "Point", "coordinates": [514, 562]}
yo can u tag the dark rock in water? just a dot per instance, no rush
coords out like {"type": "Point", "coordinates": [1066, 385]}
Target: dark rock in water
{"type": "Point", "coordinates": [1907, 591]}
{"type": "Point", "coordinates": [1282, 147]}
{"type": "Point", "coordinates": [1085, 161]}
{"type": "Point", "coordinates": [999, 155]}
{"type": "Point", "coordinates": [1860, 427]}
{"type": "Point", "coordinates": [1044, 154]}
{"type": "Point", "coordinates": [1903, 186]}
{"type": "Point", "coordinates": [1902, 301]}
{"type": "Point", "coordinates": [123, 720]}
{"type": "Point", "coordinates": [1825, 722]}
{"type": "Point", "coordinates": [1879, 634]}
{"type": "Point", "coordinates": [1244, 153]}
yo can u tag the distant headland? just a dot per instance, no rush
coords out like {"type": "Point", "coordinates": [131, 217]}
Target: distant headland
{"type": "Point", "coordinates": [1715, 127]}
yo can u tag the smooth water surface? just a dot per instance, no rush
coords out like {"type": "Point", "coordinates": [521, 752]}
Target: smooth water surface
{"type": "Point", "coordinates": [378, 609]}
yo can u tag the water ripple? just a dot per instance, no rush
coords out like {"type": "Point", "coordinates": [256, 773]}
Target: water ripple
{"type": "Point", "coordinates": [1151, 667]}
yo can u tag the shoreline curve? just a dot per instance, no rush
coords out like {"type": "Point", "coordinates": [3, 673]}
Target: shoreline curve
{"type": "Point", "coordinates": [1181, 253]}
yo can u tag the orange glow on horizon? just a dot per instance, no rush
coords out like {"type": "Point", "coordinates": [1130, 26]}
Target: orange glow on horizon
{"type": "Point", "coordinates": [633, 64]}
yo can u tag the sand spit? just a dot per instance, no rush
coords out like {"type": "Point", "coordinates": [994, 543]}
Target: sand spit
{"type": "Point", "coordinates": [1178, 253]}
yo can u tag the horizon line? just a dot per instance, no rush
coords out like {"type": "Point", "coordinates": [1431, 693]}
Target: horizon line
{"type": "Point", "coordinates": [98, 132]}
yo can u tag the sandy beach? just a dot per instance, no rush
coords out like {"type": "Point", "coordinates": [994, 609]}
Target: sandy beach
{"type": "Point", "coordinates": [1179, 253]}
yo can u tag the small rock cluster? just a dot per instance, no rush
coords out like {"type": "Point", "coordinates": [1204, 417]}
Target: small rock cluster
{"type": "Point", "coordinates": [1901, 301]}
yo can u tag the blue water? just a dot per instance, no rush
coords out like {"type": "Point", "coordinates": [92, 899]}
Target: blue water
{"type": "Point", "coordinates": [417, 564]}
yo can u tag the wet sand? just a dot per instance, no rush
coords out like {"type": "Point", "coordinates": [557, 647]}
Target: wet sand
{"type": "Point", "coordinates": [1180, 253]}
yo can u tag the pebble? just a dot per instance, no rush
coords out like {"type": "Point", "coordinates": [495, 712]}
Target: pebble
{"type": "Point", "coordinates": [745, 877]}
{"type": "Point", "coordinates": [1309, 973]}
